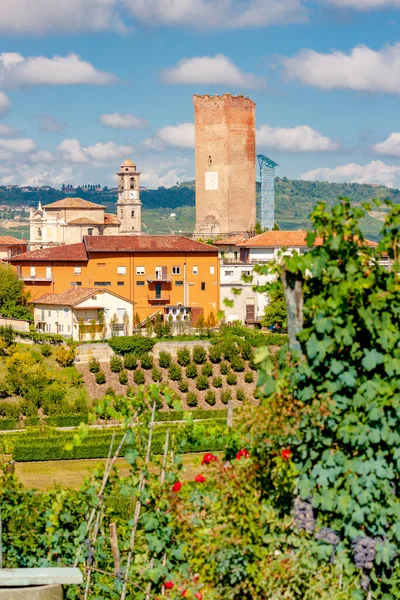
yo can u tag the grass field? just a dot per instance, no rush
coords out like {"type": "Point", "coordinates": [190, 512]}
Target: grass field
{"type": "Point", "coordinates": [69, 474]}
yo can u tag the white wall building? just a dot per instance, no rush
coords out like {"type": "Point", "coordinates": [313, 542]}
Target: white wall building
{"type": "Point", "coordinates": [63, 313]}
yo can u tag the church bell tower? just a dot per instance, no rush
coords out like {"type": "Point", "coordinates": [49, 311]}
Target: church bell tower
{"type": "Point", "coordinates": [129, 207]}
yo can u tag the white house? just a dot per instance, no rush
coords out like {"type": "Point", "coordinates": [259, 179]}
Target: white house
{"type": "Point", "coordinates": [75, 312]}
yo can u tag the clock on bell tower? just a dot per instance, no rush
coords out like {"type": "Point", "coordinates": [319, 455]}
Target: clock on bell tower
{"type": "Point", "coordinates": [129, 207]}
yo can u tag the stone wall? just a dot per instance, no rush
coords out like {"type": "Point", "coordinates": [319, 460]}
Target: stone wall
{"type": "Point", "coordinates": [173, 347]}
{"type": "Point", "coordinates": [16, 324]}
{"type": "Point", "coordinates": [85, 352]}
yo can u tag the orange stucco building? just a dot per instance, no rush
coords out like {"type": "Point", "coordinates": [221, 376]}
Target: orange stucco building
{"type": "Point", "coordinates": [158, 273]}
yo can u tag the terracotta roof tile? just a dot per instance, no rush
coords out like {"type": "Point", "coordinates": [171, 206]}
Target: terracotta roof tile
{"type": "Point", "coordinates": [73, 203]}
{"type": "Point", "coordinates": [84, 221]}
{"type": "Point", "coordinates": [110, 219]}
{"type": "Point", "coordinates": [277, 239]}
{"type": "Point", "coordinates": [8, 240]}
{"type": "Point", "coordinates": [232, 240]}
{"type": "Point", "coordinates": [70, 297]}
{"type": "Point", "coordinates": [69, 252]}
{"type": "Point", "coordinates": [145, 243]}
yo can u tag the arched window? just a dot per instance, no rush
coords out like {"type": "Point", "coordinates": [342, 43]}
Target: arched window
{"type": "Point", "coordinates": [132, 183]}
{"type": "Point", "coordinates": [39, 232]}
{"type": "Point", "coordinates": [132, 214]}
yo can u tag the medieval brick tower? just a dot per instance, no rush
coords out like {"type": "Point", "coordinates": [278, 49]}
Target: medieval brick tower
{"type": "Point", "coordinates": [225, 147]}
{"type": "Point", "coordinates": [129, 207]}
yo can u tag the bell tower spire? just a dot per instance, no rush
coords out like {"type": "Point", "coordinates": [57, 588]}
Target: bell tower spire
{"type": "Point", "coordinates": [129, 207]}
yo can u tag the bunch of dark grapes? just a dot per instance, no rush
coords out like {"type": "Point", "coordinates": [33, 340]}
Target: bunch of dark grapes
{"type": "Point", "coordinates": [90, 556]}
{"type": "Point", "coordinates": [364, 549]}
{"type": "Point", "coordinates": [304, 515]}
{"type": "Point", "coordinates": [329, 537]}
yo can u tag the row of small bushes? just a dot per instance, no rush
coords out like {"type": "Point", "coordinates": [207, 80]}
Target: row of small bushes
{"type": "Point", "coordinates": [134, 344]}
{"type": "Point", "coordinates": [41, 338]}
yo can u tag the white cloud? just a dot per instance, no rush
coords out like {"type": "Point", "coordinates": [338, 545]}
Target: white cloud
{"type": "Point", "coordinates": [207, 70]}
{"type": "Point", "coordinates": [177, 136]}
{"type": "Point", "coordinates": [365, 4]}
{"type": "Point", "coordinates": [49, 124]}
{"type": "Point", "coordinates": [152, 178]}
{"type": "Point", "coordinates": [294, 139]}
{"type": "Point", "coordinates": [7, 131]}
{"type": "Point", "coordinates": [121, 121]}
{"type": "Point", "coordinates": [363, 69]}
{"type": "Point", "coordinates": [18, 146]}
{"type": "Point", "coordinates": [217, 14]}
{"type": "Point", "coordinates": [390, 147]}
{"type": "Point", "coordinates": [42, 157]}
{"type": "Point", "coordinates": [51, 16]}
{"type": "Point", "coordinates": [374, 172]}
{"type": "Point", "coordinates": [16, 70]}
{"type": "Point", "coordinates": [5, 103]}
{"type": "Point", "coordinates": [102, 152]}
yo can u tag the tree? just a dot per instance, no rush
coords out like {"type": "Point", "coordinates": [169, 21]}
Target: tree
{"type": "Point", "coordinates": [126, 323]}
{"type": "Point", "coordinates": [92, 329]}
{"type": "Point", "coordinates": [13, 298]}
{"type": "Point", "coordinates": [102, 324]}
{"type": "Point", "coordinates": [81, 330]}
{"type": "Point", "coordinates": [114, 325]}
{"type": "Point", "coordinates": [275, 312]}
{"type": "Point", "coordinates": [136, 320]}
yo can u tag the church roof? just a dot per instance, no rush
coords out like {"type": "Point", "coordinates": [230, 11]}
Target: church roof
{"type": "Point", "coordinates": [110, 219]}
{"type": "Point", "coordinates": [8, 240]}
{"type": "Point", "coordinates": [73, 203]}
{"type": "Point", "coordinates": [84, 221]}
{"type": "Point", "coordinates": [128, 163]}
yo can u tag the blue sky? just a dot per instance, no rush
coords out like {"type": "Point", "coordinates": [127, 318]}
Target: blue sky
{"type": "Point", "coordinates": [86, 83]}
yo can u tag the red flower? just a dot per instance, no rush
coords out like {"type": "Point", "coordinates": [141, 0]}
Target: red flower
{"type": "Point", "coordinates": [199, 479]}
{"type": "Point", "coordinates": [168, 585]}
{"type": "Point", "coordinates": [177, 486]}
{"type": "Point", "coordinates": [184, 593]}
{"type": "Point", "coordinates": [198, 595]}
{"type": "Point", "coordinates": [208, 458]}
{"type": "Point", "coordinates": [242, 453]}
{"type": "Point", "coordinates": [285, 453]}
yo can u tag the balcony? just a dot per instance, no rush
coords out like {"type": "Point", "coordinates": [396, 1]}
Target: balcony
{"type": "Point", "coordinates": [163, 298]}
{"type": "Point", "coordinates": [34, 279]}
{"type": "Point", "coordinates": [163, 277]}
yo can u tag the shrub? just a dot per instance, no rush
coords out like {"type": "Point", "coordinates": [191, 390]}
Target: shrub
{"type": "Point", "coordinates": [164, 360]}
{"type": "Point", "coordinates": [224, 368]}
{"type": "Point", "coordinates": [116, 364]}
{"type": "Point", "coordinates": [210, 398]}
{"type": "Point", "coordinates": [191, 371]}
{"type": "Point", "coordinates": [146, 362]}
{"type": "Point", "coordinates": [52, 395]}
{"type": "Point", "coordinates": [217, 382]}
{"type": "Point", "coordinates": [230, 350]}
{"type": "Point", "coordinates": [226, 395]}
{"type": "Point", "coordinates": [184, 385]}
{"type": "Point", "coordinates": [9, 410]}
{"type": "Point", "coordinates": [207, 369]}
{"type": "Point", "coordinates": [202, 382]}
{"type": "Point", "coordinates": [94, 365]}
{"type": "Point", "coordinates": [110, 392]}
{"type": "Point", "coordinates": [249, 377]}
{"type": "Point", "coordinates": [130, 361]}
{"type": "Point", "coordinates": [130, 391]}
{"type": "Point", "coordinates": [123, 377]}
{"type": "Point", "coordinates": [215, 354]}
{"type": "Point", "coordinates": [191, 399]}
{"type": "Point", "coordinates": [199, 355]}
{"type": "Point", "coordinates": [240, 395]}
{"type": "Point", "coordinates": [65, 356]}
{"type": "Point", "coordinates": [238, 364]}
{"type": "Point", "coordinates": [253, 365]}
{"type": "Point", "coordinates": [175, 372]}
{"type": "Point", "coordinates": [156, 374]}
{"type": "Point", "coordinates": [139, 377]}
{"type": "Point", "coordinates": [231, 379]}
{"type": "Point", "coordinates": [100, 377]}
{"type": "Point", "coordinates": [183, 356]}
{"type": "Point", "coordinates": [135, 344]}
{"type": "Point", "coordinates": [247, 351]}
{"type": "Point", "coordinates": [46, 350]}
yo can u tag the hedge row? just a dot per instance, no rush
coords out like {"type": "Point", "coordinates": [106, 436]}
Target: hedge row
{"type": "Point", "coordinates": [97, 446]}
{"type": "Point", "coordinates": [135, 344]}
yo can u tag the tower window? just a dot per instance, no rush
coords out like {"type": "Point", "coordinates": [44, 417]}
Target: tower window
{"type": "Point", "coordinates": [90, 231]}
{"type": "Point", "coordinates": [39, 232]}
{"type": "Point", "coordinates": [132, 214]}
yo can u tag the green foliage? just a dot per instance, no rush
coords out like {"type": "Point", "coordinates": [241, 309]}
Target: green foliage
{"type": "Point", "coordinates": [46, 350]}
{"type": "Point", "coordinates": [146, 362]}
{"type": "Point", "coordinates": [110, 392]}
{"type": "Point", "coordinates": [139, 377]}
{"type": "Point", "coordinates": [215, 354]}
{"type": "Point", "coordinates": [207, 369]}
{"type": "Point", "coordinates": [7, 334]}
{"type": "Point", "coordinates": [123, 377]}
{"type": "Point", "coordinates": [231, 378]}
{"type": "Point", "coordinates": [275, 311]}
{"type": "Point", "coordinates": [94, 365]}
{"type": "Point", "coordinates": [116, 364]}
{"type": "Point", "coordinates": [13, 298]}
{"type": "Point", "coordinates": [199, 355]}
{"type": "Point", "coordinates": [156, 374]}
{"type": "Point", "coordinates": [65, 356]}
{"type": "Point", "coordinates": [183, 386]}
{"type": "Point", "coordinates": [217, 382]}
{"type": "Point", "coordinates": [249, 377]}
{"type": "Point", "coordinates": [230, 349]}
{"type": "Point", "coordinates": [238, 364]}
{"type": "Point", "coordinates": [192, 399]}
{"type": "Point", "coordinates": [10, 410]}
{"type": "Point", "coordinates": [175, 372]}
{"type": "Point", "coordinates": [135, 344]}
{"type": "Point", "coordinates": [100, 377]}
{"type": "Point", "coordinates": [183, 356]}
{"type": "Point", "coordinates": [164, 360]}
{"type": "Point", "coordinates": [224, 368]}
{"type": "Point", "coordinates": [202, 382]}
{"type": "Point", "coordinates": [240, 395]}
{"type": "Point", "coordinates": [191, 371]}
{"type": "Point", "coordinates": [226, 395]}
{"type": "Point", "coordinates": [210, 397]}
{"type": "Point", "coordinates": [130, 361]}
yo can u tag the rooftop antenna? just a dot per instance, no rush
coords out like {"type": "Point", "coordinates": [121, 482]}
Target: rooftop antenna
{"type": "Point", "coordinates": [267, 179]}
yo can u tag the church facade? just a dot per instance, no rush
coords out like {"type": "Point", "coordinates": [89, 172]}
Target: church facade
{"type": "Point", "coordinates": [67, 221]}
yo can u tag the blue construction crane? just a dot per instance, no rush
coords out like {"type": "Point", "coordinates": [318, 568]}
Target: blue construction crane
{"type": "Point", "coordinates": [267, 179]}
